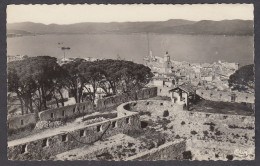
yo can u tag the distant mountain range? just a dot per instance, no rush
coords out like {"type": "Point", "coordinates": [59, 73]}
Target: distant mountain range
{"type": "Point", "coordinates": [174, 26]}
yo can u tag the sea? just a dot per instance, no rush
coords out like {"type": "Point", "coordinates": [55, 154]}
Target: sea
{"type": "Point", "coordinates": [190, 48]}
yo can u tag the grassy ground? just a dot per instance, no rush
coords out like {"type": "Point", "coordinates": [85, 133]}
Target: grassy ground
{"type": "Point", "coordinates": [222, 108]}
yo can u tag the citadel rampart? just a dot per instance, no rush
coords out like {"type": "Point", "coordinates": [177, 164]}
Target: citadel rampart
{"type": "Point", "coordinates": [67, 111]}
{"type": "Point", "coordinates": [169, 151]}
{"type": "Point", "coordinates": [125, 97]}
{"type": "Point", "coordinates": [155, 106]}
{"type": "Point", "coordinates": [80, 108]}
{"type": "Point", "coordinates": [42, 147]}
{"type": "Point", "coordinates": [175, 109]}
{"type": "Point", "coordinates": [226, 96]}
{"type": "Point", "coordinates": [47, 146]}
{"type": "Point", "coordinates": [21, 121]}
{"type": "Point", "coordinates": [235, 131]}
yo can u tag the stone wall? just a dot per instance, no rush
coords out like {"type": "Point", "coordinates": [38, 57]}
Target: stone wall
{"type": "Point", "coordinates": [168, 151]}
{"type": "Point", "coordinates": [155, 106]}
{"type": "Point", "coordinates": [67, 111]}
{"type": "Point", "coordinates": [21, 121]}
{"type": "Point", "coordinates": [80, 108]}
{"type": "Point", "coordinates": [122, 98]}
{"type": "Point", "coordinates": [217, 131]}
{"type": "Point", "coordinates": [164, 91]}
{"type": "Point", "coordinates": [46, 147]}
{"type": "Point", "coordinates": [226, 96]}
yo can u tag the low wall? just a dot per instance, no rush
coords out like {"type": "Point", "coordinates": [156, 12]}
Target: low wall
{"type": "Point", "coordinates": [154, 106]}
{"type": "Point", "coordinates": [168, 151]}
{"type": "Point", "coordinates": [184, 122]}
{"type": "Point", "coordinates": [226, 96]}
{"type": "Point", "coordinates": [164, 91]}
{"type": "Point", "coordinates": [78, 108]}
{"type": "Point", "coordinates": [122, 98]}
{"type": "Point", "coordinates": [45, 147]}
{"type": "Point", "coordinates": [21, 121]}
{"type": "Point", "coordinates": [67, 111]}
{"type": "Point", "coordinates": [205, 128]}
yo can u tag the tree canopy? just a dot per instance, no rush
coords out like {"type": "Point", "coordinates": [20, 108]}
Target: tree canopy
{"type": "Point", "coordinates": [36, 80]}
{"type": "Point", "coordinates": [243, 79]}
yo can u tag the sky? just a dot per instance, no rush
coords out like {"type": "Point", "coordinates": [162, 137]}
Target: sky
{"type": "Point", "coordinates": [69, 14]}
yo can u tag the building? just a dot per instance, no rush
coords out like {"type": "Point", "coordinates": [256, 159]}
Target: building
{"type": "Point", "coordinates": [11, 58]}
{"type": "Point", "coordinates": [183, 95]}
{"type": "Point", "coordinates": [167, 64]}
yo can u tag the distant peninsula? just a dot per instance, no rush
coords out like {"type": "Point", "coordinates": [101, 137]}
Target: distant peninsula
{"type": "Point", "coordinates": [173, 26]}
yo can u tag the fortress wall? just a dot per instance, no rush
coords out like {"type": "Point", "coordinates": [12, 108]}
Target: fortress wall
{"type": "Point", "coordinates": [21, 121]}
{"type": "Point", "coordinates": [79, 108]}
{"type": "Point", "coordinates": [175, 109]}
{"type": "Point", "coordinates": [154, 106]}
{"type": "Point", "coordinates": [184, 122]}
{"type": "Point", "coordinates": [67, 111]}
{"type": "Point", "coordinates": [210, 128]}
{"type": "Point", "coordinates": [235, 129]}
{"type": "Point", "coordinates": [226, 96]}
{"type": "Point", "coordinates": [164, 91]}
{"type": "Point", "coordinates": [169, 151]}
{"type": "Point", "coordinates": [122, 98]}
{"type": "Point", "coordinates": [45, 147]}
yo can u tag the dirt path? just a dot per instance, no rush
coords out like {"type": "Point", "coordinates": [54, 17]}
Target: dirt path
{"type": "Point", "coordinates": [77, 124]}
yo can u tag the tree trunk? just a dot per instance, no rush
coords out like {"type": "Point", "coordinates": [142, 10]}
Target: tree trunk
{"type": "Point", "coordinates": [57, 101]}
{"type": "Point", "coordinates": [26, 104]}
{"type": "Point", "coordinates": [31, 106]}
{"type": "Point", "coordinates": [62, 98]}
{"type": "Point", "coordinates": [44, 102]}
{"type": "Point", "coordinates": [21, 101]}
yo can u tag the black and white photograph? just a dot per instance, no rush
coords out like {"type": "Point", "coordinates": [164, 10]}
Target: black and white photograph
{"type": "Point", "coordinates": [137, 82]}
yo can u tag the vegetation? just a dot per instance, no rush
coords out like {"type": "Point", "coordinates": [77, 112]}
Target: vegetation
{"type": "Point", "coordinates": [229, 157]}
{"type": "Point", "coordinates": [187, 155]}
{"type": "Point", "coordinates": [243, 79]}
{"type": "Point", "coordinates": [113, 76]}
{"type": "Point", "coordinates": [193, 132]}
{"type": "Point", "coordinates": [165, 113]}
{"type": "Point", "coordinates": [36, 80]}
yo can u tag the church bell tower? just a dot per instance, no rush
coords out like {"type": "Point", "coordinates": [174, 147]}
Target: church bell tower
{"type": "Point", "coordinates": [167, 64]}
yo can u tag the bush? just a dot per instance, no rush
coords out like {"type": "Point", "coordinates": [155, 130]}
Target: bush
{"type": "Point", "coordinates": [151, 145]}
{"type": "Point", "coordinates": [211, 128]}
{"type": "Point", "coordinates": [165, 113]}
{"type": "Point", "coordinates": [230, 157]}
{"type": "Point", "coordinates": [193, 132]}
{"type": "Point", "coordinates": [161, 141]}
{"type": "Point", "coordinates": [182, 123]}
{"type": "Point", "coordinates": [210, 124]}
{"type": "Point", "coordinates": [205, 133]}
{"type": "Point", "coordinates": [187, 155]}
{"type": "Point", "coordinates": [177, 137]}
{"type": "Point", "coordinates": [218, 133]}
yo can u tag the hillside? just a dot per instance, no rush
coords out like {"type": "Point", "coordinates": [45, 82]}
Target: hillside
{"type": "Point", "coordinates": [178, 26]}
{"type": "Point", "coordinates": [225, 27]}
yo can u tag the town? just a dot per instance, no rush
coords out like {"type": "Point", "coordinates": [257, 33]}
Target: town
{"type": "Point", "coordinates": [113, 109]}
{"type": "Point", "coordinates": [135, 82]}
